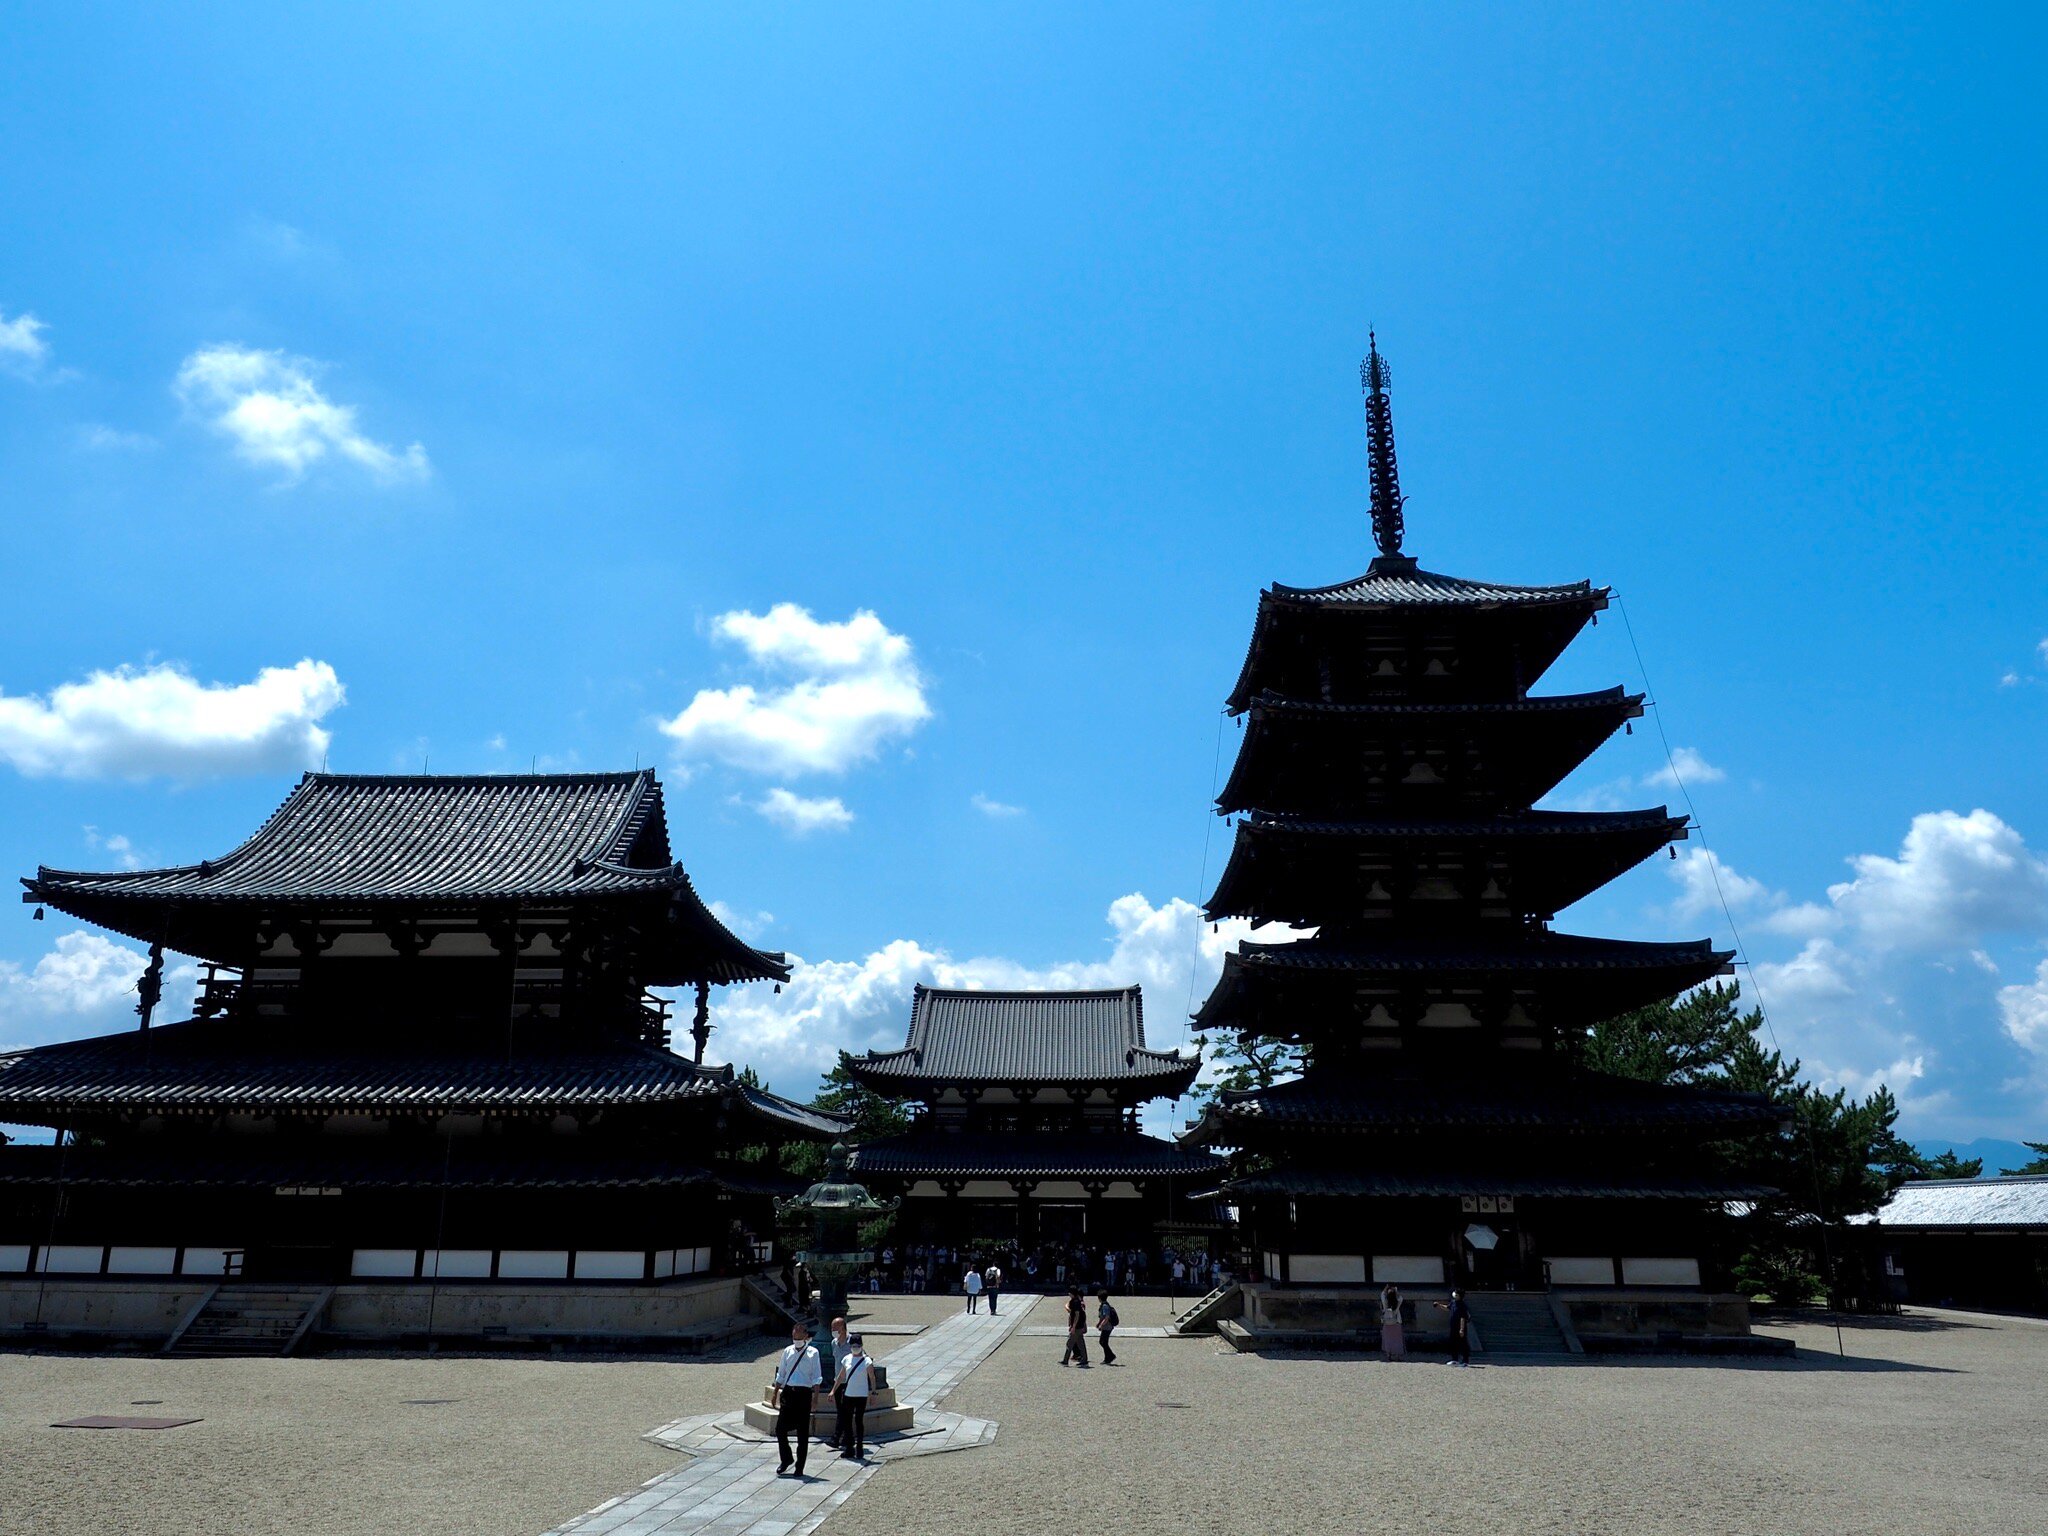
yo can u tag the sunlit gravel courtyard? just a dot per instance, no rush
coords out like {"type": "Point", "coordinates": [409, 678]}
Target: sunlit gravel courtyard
{"type": "Point", "coordinates": [1932, 1423]}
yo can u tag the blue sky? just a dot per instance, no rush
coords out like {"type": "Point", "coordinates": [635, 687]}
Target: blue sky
{"type": "Point", "coordinates": [393, 388]}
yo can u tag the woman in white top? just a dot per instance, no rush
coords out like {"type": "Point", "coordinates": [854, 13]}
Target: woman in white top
{"type": "Point", "coordinates": [1392, 1345]}
{"type": "Point", "coordinates": [972, 1282]}
{"type": "Point", "coordinates": [856, 1380]}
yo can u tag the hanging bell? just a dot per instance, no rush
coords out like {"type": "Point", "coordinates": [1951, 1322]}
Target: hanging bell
{"type": "Point", "coordinates": [1629, 729]}
{"type": "Point", "coordinates": [38, 917]}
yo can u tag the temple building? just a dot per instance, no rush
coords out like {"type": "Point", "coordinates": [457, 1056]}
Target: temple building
{"type": "Point", "coordinates": [423, 1047]}
{"type": "Point", "coordinates": [1026, 1123]}
{"type": "Point", "coordinates": [1441, 1130]}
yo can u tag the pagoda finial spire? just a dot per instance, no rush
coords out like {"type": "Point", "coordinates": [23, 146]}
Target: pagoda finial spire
{"type": "Point", "coordinates": [1379, 438]}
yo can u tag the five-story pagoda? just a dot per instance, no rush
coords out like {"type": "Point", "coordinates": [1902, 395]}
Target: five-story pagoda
{"type": "Point", "coordinates": [1441, 1131]}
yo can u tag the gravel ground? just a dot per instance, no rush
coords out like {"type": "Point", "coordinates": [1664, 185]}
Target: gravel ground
{"type": "Point", "coordinates": [1933, 1425]}
{"type": "Point", "coordinates": [328, 1446]}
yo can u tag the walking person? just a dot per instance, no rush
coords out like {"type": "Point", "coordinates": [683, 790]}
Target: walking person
{"type": "Point", "coordinates": [850, 1389]}
{"type": "Point", "coordinates": [972, 1282]}
{"type": "Point", "coordinates": [797, 1376]}
{"type": "Point", "coordinates": [1461, 1328]}
{"type": "Point", "coordinates": [1105, 1324]}
{"type": "Point", "coordinates": [1392, 1345]}
{"type": "Point", "coordinates": [1077, 1330]}
{"type": "Point", "coordinates": [992, 1287]}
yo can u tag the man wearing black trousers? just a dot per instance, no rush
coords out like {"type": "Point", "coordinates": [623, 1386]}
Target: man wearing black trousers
{"type": "Point", "coordinates": [796, 1378]}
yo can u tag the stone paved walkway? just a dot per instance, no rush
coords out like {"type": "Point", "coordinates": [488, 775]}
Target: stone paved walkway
{"type": "Point", "coordinates": [731, 1489]}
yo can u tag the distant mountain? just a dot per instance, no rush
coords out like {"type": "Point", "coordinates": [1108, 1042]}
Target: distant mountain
{"type": "Point", "coordinates": [1997, 1155]}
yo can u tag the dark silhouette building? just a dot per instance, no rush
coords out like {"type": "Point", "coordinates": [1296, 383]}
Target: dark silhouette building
{"type": "Point", "coordinates": [1026, 1126]}
{"type": "Point", "coordinates": [424, 1047]}
{"type": "Point", "coordinates": [1443, 1130]}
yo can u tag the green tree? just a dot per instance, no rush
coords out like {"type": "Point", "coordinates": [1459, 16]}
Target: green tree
{"type": "Point", "coordinates": [2038, 1165]}
{"type": "Point", "coordinates": [1836, 1156]}
{"type": "Point", "coordinates": [1242, 1062]}
{"type": "Point", "coordinates": [874, 1118]}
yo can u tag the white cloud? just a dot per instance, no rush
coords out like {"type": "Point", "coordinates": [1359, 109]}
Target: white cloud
{"type": "Point", "coordinates": [114, 843]}
{"type": "Point", "coordinates": [268, 405]}
{"type": "Point", "coordinates": [1696, 870]}
{"type": "Point", "coordinates": [101, 438]}
{"type": "Point", "coordinates": [858, 1005]}
{"type": "Point", "coordinates": [22, 348]}
{"type": "Point", "coordinates": [137, 723]}
{"type": "Point", "coordinates": [85, 985]}
{"type": "Point", "coordinates": [751, 926]}
{"type": "Point", "coordinates": [1802, 920]}
{"type": "Point", "coordinates": [2041, 650]}
{"type": "Point", "coordinates": [801, 815]}
{"type": "Point", "coordinates": [995, 810]}
{"type": "Point", "coordinates": [1956, 878]}
{"type": "Point", "coordinates": [856, 687]}
{"type": "Point", "coordinates": [2023, 1010]}
{"type": "Point", "coordinates": [1686, 765]}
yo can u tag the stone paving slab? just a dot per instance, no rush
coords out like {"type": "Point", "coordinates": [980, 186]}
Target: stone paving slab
{"type": "Point", "coordinates": [729, 1487]}
{"type": "Point", "coordinates": [1121, 1333]}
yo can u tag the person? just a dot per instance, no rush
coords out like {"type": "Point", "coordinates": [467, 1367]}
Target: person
{"type": "Point", "coordinates": [804, 1286]}
{"type": "Point", "coordinates": [1109, 1267]}
{"type": "Point", "coordinates": [1105, 1324]}
{"type": "Point", "coordinates": [1392, 1345]}
{"type": "Point", "coordinates": [835, 1334]}
{"type": "Point", "coordinates": [1077, 1330]}
{"type": "Point", "coordinates": [797, 1376]}
{"type": "Point", "coordinates": [1461, 1328]}
{"type": "Point", "coordinates": [850, 1389]}
{"type": "Point", "coordinates": [972, 1282]}
{"type": "Point", "coordinates": [992, 1286]}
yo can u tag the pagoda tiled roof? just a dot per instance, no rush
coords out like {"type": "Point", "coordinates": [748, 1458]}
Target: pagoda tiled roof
{"type": "Point", "coordinates": [964, 1036]}
{"type": "Point", "coordinates": [1396, 1101]}
{"type": "Point", "coordinates": [1282, 868]}
{"type": "Point", "coordinates": [1031, 1155]}
{"type": "Point", "coordinates": [351, 841]}
{"type": "Point", "coordinates": [1516, 950]}
{"type": "Point", "coordinates": [1398, 582]}
{"type": "Point", "coordinates": [458, 1164]}
{"type": "Point", "coordinates": [208, 1065]}
{"type": "Point", "coordinates": [1472, 709]}
{"type": "Point", "coordinates": [1521, 1183]}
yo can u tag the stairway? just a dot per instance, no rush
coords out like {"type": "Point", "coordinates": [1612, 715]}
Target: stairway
{"type": "Point", "coordinates": [1517, 1323]}
{"type": "Point", "coordinates": [1225, 1301]}
{"type": "Point", "coordinates": [250, 1320]}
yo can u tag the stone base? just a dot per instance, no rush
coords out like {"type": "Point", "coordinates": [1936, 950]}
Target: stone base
{"type": "Point", "coordinates": [885, 1416]}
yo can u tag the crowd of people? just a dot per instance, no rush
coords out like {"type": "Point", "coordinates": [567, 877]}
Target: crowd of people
{"type": "Point", "coordinates": [1048, 1267]}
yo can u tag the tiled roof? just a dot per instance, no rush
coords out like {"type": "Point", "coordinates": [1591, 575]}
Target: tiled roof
{"type": "Point", "coordinates": [343, 840]}
{"type": "Point", "coordinates": [218, 1064]}
{"type": "Point", "coordinates": [1012, 1037]}
{"type": "Point", "coordinates": [1405, 1101]}
{"type": "Point", "coordinates": [1561, 825]}
{"type": "Point", "coordinates": [1479, 712]}
{"type": "Point", "coordinates": [1477, 951]}
{"type": "Point", "coordinates": [457, 1165]}
{"type": "Point", "coordinates": [1521, 1183]}
{"type": "Point", "coordinates": [362, 837]}
{"type": "Point", "coordinates": [2018, 1200]}
{"type": "Point", "coordinates": [1290, 868]}
{"type": "Point", "coordinates": [1032, 1155]}
{"type": "Point", "coordinates": [1398, 582]}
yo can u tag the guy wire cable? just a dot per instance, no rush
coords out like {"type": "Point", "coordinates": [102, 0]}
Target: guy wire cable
{"type": "Point", "coordinates": [1201, 885]}
{"type": "Point", "coordinates": [1742, 950]}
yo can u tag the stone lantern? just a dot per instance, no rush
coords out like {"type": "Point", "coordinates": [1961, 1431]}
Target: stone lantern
{"type": "Point", "coordinates": [822, 1227]}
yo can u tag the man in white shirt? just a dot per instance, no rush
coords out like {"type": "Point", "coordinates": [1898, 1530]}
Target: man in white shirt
{"type": "Point", "coordinates": [973, 1284]}
{"type": "Point", "coordinates": [797, 1376]}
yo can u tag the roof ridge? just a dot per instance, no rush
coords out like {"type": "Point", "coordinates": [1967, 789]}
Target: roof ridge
{"type": "Point", "coordinates": [587, 776]}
